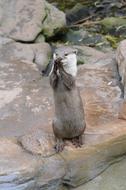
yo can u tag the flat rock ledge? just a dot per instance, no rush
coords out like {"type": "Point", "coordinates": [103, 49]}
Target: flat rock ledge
{"type": "Point", "coordinates": [21, 170]}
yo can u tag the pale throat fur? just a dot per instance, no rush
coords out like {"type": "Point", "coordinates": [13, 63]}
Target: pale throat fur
{"type": "Point", "coordinates": [69, 61]}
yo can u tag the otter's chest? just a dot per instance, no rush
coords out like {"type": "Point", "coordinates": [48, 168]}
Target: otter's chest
{"type": "Point", "coordinates": [66, 99]}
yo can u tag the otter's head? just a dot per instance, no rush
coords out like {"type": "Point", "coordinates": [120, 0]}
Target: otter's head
{"type": "Point", "coordinates": [68, 58]}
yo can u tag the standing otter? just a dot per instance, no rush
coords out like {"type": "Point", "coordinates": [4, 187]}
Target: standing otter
{"type": "Point", "coordinates": [69, 122]}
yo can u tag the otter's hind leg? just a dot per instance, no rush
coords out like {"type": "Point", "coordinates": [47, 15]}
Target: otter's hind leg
{"type": "Point", "coordinates": [77, 141]}
{"type": "Point", "coordinates": [59, 145]}
{"type": "Point", "coordinates": [57, 129]}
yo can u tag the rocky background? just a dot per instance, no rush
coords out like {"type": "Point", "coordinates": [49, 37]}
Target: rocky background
{"type": "Point", "coordinates": [29, 30]}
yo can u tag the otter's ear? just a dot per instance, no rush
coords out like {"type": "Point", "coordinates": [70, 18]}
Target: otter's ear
{"type": "Point", "coordinates": [75, 51]}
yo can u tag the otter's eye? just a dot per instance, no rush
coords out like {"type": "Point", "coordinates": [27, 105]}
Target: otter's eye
{"type": "Point", "coordinates": [75, 51]}
{"type": "Point", "coordinates": [66, 54]}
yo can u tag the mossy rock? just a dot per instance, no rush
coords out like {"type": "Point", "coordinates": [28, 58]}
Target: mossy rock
{"type": "Point", "coordinates": [110, 22]}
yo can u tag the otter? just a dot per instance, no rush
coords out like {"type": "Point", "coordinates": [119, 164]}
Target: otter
{"type": "Point", "coordinates": [69, 121]}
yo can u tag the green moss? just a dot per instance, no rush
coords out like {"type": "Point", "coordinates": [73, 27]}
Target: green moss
{"type": "Point", "coordinates": [113, 40]}
{"type": "Point", "coordinates": [110, 22]}
{"type": "Point", "coordinates": [65, 4]}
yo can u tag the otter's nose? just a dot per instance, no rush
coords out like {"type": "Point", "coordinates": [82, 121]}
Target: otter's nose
{"type": "Point", "coordinates": [58, 60]}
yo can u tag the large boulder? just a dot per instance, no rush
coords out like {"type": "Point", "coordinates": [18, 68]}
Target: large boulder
{"type": "Point", "coordinates": [100, 86]}
{"type": "Point", "coordinates": [11, 51]}
{"type": "Point", "coordinates": [23, 97]}
{"type": "Point", "coordinates": [17, 168]}
{"type": "Point", "coordinates": [23, 20]}
{"type": "Point", "coordinates": [20, 170]}
{"type": "Point", "coordinates": [54, 21]}
{"type": "Point", "coordinates": [97, 154]}
{"type": "Point", "coordinates": [121, 60]}
{"type": "Point", "coordinates": [88, 55]}
{"type": "Point", "coordinates": [111, 179]}
{"type": "Point", "coordinates": [26, 112]}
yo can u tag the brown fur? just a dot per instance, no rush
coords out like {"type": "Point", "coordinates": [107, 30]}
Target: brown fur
{"type": "Point", "coordinates": [69, 122]}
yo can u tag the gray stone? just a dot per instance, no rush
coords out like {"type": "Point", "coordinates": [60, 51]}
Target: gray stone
{"type": "Point", "coordinates": [23, 171]}
{"type": "Point", "coordinates": [23, 102]}
{"type": "Point", "coordinates": [23, 20]}
{"type": "Point", "coordinates": [89, 55]}
{"type": "Point", "coordinates": [114, 178]}
{"type": "Point", "coordinates": [39, 142]}
{"type": "Point", "coordinates": [102, 151]}
{"type": "Point", "coordinates": [101, 91]}
{"type": "Point", "coordinates": [40, 39]}
{"type": "Point", "coordinates": [17, 168]}
{"type": "Point", "coordinates": [26, 112]}
{"type": "Point", "coordinates": [121, 60]}
{"type": "Point", "coordinates": [54, 21]}
{"type": "Point", "coordinates": [38, 53]}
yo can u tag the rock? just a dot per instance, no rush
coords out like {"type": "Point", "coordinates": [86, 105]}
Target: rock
{"type": "Point", "coordinates": [20, 170]}
{"type": "Point", "coordinates": [17, 168]}
{"type": "Point", "coordinates": [77, 13]}
{"type": "Point", "coordinates": [54, 21]}
{"type": "Point", "coordinates": [88, 55]}
{"type": "Point", "coordinates": [99, 82]}
{"type": "Point", "coordinates": [121, 60]}
{"type": "Point", "coordinates": [109, 23]}
{"type": "Point", "coordinates": [122, 110]}
{"type": "Point", "coordinates": [39, 142]}
{"type": "Point", "coordinates": [83, 37]}
{"type": "Point", "coordinates": [23, 20]}
{"type": "Point", "coordinates": [40, 39]}
{"type": "Point", "coordinates": [113, 178]}
{"type": "Point", "coordinates": [38, 53]}
{"type": "Point", "coordinates": [75, 37]}
{"type": "Point", "coordinates": [26, 112]}
{"type": "Point", "coordinates": [51, 173]}
{"type": "Point", "coordinates": [83, 164]}
{"type": "Point", "coordinates": [23, 102]}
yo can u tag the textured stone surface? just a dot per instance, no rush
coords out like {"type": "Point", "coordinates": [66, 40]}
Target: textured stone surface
{"type": "Point", "coordinates": [23, 20]}
{"type": "Point", "coordinates": [27, 157]}
{"type": "Point", "coordinates": [26, 112]}
{"type": "Point", "coordinates": [38, 53]}
{"type": "Point", "coordinates": [88, 54]}
{"type": "Point", "coordinates": [54, 21]}
{"type": "Point", "coordinates": [121, 60]}
{"type": "Point", "coordinates": [39, 142]}
{"type": "Point", "coordinates": [23, 98]}
{"type": "Point", "coordinates": [23, 171]}
{"type": "Point", "coordinates": [98, 152]}
{"type": "Point", "coordinates": [112, 179]}
{"type": "Point", "coordinates": [17, 168]}
{"type": "Point", "coordinates": [100, 91]}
